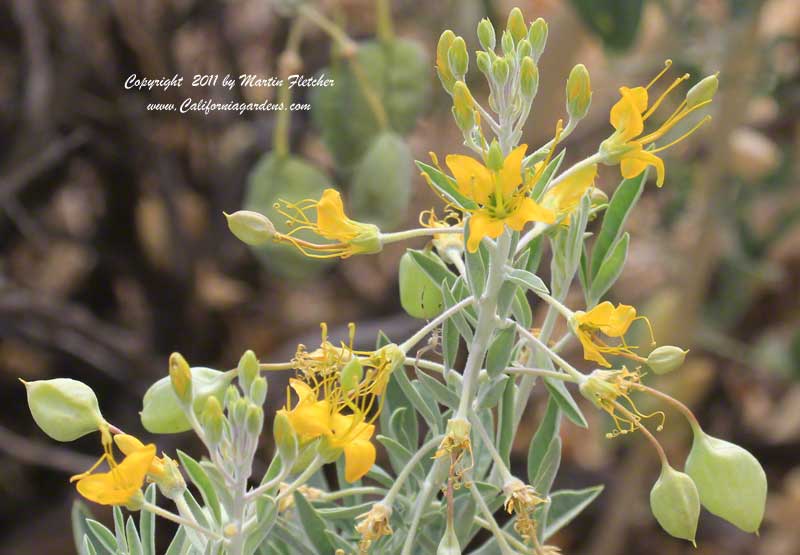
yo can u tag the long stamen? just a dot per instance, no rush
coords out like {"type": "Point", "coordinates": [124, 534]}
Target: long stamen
{"type": "Point", "coordinates": [661, 131]}
{"type": "Point", "coordinates": [664, 95]}
{"type": "Point", "coordinates": [536, 176]}
{"type": "Point", "coordinates": [697, 126]}
{"type": "Point", "coordinates": [667, 65]}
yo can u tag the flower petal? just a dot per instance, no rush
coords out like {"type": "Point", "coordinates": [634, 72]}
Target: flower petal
{"type": "Point", "coordinates": [634, 163]}
{"type": "Point", "coordinates": [310, 420]}
{"type": "Point", "coordinates": [119, 485]}
{"type": "Point", "coordinates": [482, 225]}
{"type": "Point", "coordinates": [626, 117]}
{"type": "Point", "coordinates": [621, 319]}
{"type": "Point", "coordinates": [529, 211]}
{"type": "Point", "coordinates": [565, 196]}
{"type": "Point", "coordinates": [474, 180]}
{"type": "Point", "coordinates": [511, 174]}
{"type": "Point", "coordinates": [359, 456]}
{"type": "Point", "coordinates": [332, 222]}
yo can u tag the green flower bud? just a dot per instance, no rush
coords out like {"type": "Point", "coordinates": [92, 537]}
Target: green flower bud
{"type": "Point", "coordinates": [285, 438]}
{"type": "Point", "coordinates": [676, 504]}
{"type": "Point", "coordinates": [163, 413]}
{"type": "Point", "coordinates": [442, 63]}
{"type": "Point", "coordinates": [170, 482]}
{"type": "Point", "coordinates": [483, 61]}
{"type": "Point", "coordinates": [516, 25]}
{"type": "Point", "coordinates": [463, 107]}
{"type": "Point", "coordinates": [537, 35]}
{"type": "Point", "coordinates": [64, 409]}
{"type": "Point", "coordinates": [181, 377]}
{"type": "Point", "coordinates": [248, 369]}
{"type": "Point", "coordinates": [328, 450]}
{"type": "Point", "coordinates": [351, 375]}
{"type": "Point", "coordinates": [258, 390]}
{"type": "Point", "coordinates": [703, 91]}
{"type": "Point", "coordinates": [528, 78]}
{"type": "Point", "coordinates": [495, 158]}
{"type": "Point", "coordinates": [420, 296]}
{"type": "Point", "coordinates": [507, 43]}
{"type": "Point", "coordinates": [486, 34]}
{"type": "Point", "coordinates": [251, 228]}
{"type": "Point", "coordinates": [368, 241]}
{"type": "Point", "coordinates": [457, 58]}
{"type": "Point", "coordinates": [212, 419]}
{"type": "Point", "coordinates": [598, 196]}
{"type": "Point", "coordinates": [500, 71]}
{"type": "Point", "coordinates": [524, 49]}
{"type": "Point", "coordinates": [665, 359]}
{"type": "Point", "coordinates": [579, 92]}
{"type": "Point", "coordinates": [240, 411]}
{"type": "Point", "coordinates": [731, 482]}
{"type": "Point", "coordinates": [231, 396]}
{"type": "Point", "coordinates": [254, 420]}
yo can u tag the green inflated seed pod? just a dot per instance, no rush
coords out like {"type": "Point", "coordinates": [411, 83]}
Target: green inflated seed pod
{"type": "Point", "coordinates": [448, 545]}
{"type": "Point", "coordinates": [351, 375]}
{"type": "Point", "coordinates": [731, 482]}
{"type": "Point", "coordinates": [666, 359]}
{"type": "Point", "coordinates": [676, 504]}
{"type": "Point", "coordinates": [64, 409]}
{"type": "Point", "coordinates": [162, 413]}
{"type": "Point", "coordinates": [380, 191]}
{"type": "Point", "coordinates": [420, 296]}
{"type": "Point", "coordinates": [250, 227]}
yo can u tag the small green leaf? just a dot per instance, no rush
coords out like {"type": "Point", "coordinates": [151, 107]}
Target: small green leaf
{"type": "Point", "coordinates": [476, 263]}
{"type": "Point", "coordinates": [440, 392]}
{"type": "Point", "coordinates": [132, 535]}
{"type": "Point", "coordinates": [176, 545]}
{"type": "Point", "coordinates": [147, 523]}
{"type": "Point", "coordinates": [610, 269]}
{"type": "Point", "coordinates": [446, 185]}
{"type": "Point", "coordinates": [548, 467]}
{"type": "Point", "coordinates": [565, 505]}
{"type": "Point", "coordinates": [547, 174]}
{"type": "Point", "coordinates": [559, 393]}
{"type": "Point", "coordinates": [528, 280]}
{"type": "Point", "coordinates": [548, 429]}
{"type": "Point", "coordinates": [313, 524]}
{"type": "Point", "coordinates": [500, 350]}
{"type": "Point", "coordinates": [458, 318]}
{"type": "Point", "coordinates": [203, 483]}
{"type": "Point", "coordinates": [103, 535]}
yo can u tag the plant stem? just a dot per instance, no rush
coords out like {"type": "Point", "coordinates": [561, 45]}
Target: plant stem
{"type": "Point", "coordinates": [406, 345]}
{"type": "Point", "coordinates": [540, 373]}
{"type": "Point", "coordinates": [383, 13]}
{"type": "Point", "coordinates": [505, 549]}
{"type": "Point", "coordinates": [429, 488]}
{"type": "Point", "coordinates": [304, 476]}
{"type": "Point", "coordinates": [432, 443]}
{"type": "Point", "coordinates": [505, 474]}
{"type": "Point", "coordinates": [418, 232]}
{"type": "Point", "coordinates": [424, 364]}
{"type": "Point", "coordinates": [675, 403]}
{"type": "Point", "coordinates": [566, 366]}
{"type": "Point", "coordinates": [169, 515]}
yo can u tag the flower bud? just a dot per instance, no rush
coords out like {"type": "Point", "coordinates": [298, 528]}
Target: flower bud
{"type": "Point", "coordinates": [463, 107]}
{"type": "Point", "coordinates": [507, 43]}
{"type": "Point", "coordinates": [420, 296]}
{"type": "Point", "coordinates": [537, 36]}
{"type": "Point", "coordinates": [368, 241]}
{"type": "Point", "coordinates": [457, 58]}
{"type": "Point", "coordinates": [163, 413]}
{"type": "Point", "coordinates": [442, 63]}
{"type": "Point", "coordinates": [516, 25]}
{"type": "Point", "coordinates": [258, 390]}
{"type": "Point", "coordinates": [240, 411]}
{"type": "Point", "coordinates": [675, 503]}
{"type": "Point", "coordinates": [135, 502]}
{"type": "Point", "coordinates": [730, 481]}
{"type": "Point", "coordinates": [483, 61]}
{"type": "Point", "coordinates": [703, 91]}
{"type": "Point", "coordinates": [665, 359]}
{"type": "Point", "coordinates": [251, 228]}
{"type": "Point", "coordinates": [254, 420]}
{"type": "Point", "coordinates": [495, 158]}
{"type": "Point", "coordinates": [528, 78]}
{"type": "Point", "coordinates": [351, 375]}
{"type": "Point", "coordinates": [486, 34]}
{"type": "Point", "coordinates": [248, 369]}
{"type": "Point", "coordinates": [64, 409]}
{"type": "Point", "coordinates": [598, 197]}
{"type": "Point", "coordinates": [579, 92]}
{"type": "Point", "coordinates": [170, 481]}
{"type": "Point", "coordinates": [232, 395]}
{"type": "Point", "coordinates": [212, 419]}
{"type": "Point", "coordinates": [523, 49]}
{"type": "Point", "coordinates": [181, 377]}
{"type": "Point", "coordinates": [500, 71]}
{"type": "Point", "coordinates": [285, 438]}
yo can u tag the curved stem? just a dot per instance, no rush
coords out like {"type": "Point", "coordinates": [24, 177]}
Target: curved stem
{"type": "Point", "coordinates": [427, 492]}
{"type": "Point", "coordinates": [433, 324]}
{"type": "Point", "coordinates": [505, 549]}
{"type": "Point", "coordinates": [424, 364]}
{"type": "Point", "coordinates": [489, 444]}
{"type": "Point", "coordinates": [409, 467]}
{"type": "Point", "coordinates": [169, 515]}
{"type": "Point", "coordinates": [385, 30]}
{"type": "Point", "coordinates": [660, 450]}
{"type": "Point", "coordinates": [675, 403]}
{"type": "Point", "coordinates": [566, 366]}
{"type": "Point", "coordinates": [304, 476]}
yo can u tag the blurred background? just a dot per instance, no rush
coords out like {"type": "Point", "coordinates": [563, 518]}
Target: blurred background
{"type": "Point", "coordinates": [114, 251]}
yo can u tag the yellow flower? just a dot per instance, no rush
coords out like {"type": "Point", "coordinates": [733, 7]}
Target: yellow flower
{"type": "Point", "coordinates": [351, 237]}
{"type": "Point", "coordinates": [352, 434]}
{"type": "Point", "coordinates": [122, 482]}
{"type": "Point", "coordinates": [444, 241]}
{"type": "Point", "coordinates": [501, 195]}
{"type": "Point", "coordinates": [565, 196]}
{"type": "Point", "coordinates": [610, 321]}
{"type": "Point", "coordinates": [626, 145]}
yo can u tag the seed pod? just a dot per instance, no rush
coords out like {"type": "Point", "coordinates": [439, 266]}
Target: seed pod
{"type": "Point", "coordinates": [457, 58]}
{"type": "Point", "coordinates": [162, 413]}
{"type": "Point", "coordinates": [398, 76]}
{"type": "Point", "coordinates": [676, 504]}
{"type": "Point", "coordinates": [730, 481]}
{"type": "Point", "coordinates": [528, 78]}
{"type": "Point", "coordinates": [579, 92]}
{"type": "Point", "coordinates": [181, 377]}
{"type": "Point", "coordinates": [703, 91]}
{"type": "Point", "coordinates": [351, 375]}
{"type": "Point", "coordinates": [516, 25]}
{"type": "Point", "coordinates": [285, 438]}
{"type": "Point", "coordinates": [500, 71]}
{"type": "Point", "coordinates": [537, 35]}
{"type": "Point", "coordinates": [420, 296]}
{"type": "Point", "coordinates": [665, 359]}
{"type": "Point", "coordinates": [64, 409]}
{"type": "Point", "coordinates": [449, 542]}
{"type": "Point", "coordinates": [486, 35]}
{"type": "Point", "coordinates": [291, 179]}
{"type": "Point", "coordinates": [248, 369]}
{"type": "Point", "coordinates": [258, 390]}
{"type": "Point", "coordinates": [250, 227]}
{"type": "Point", "coordinates": [442, 61]}
{"type": "Point", "coordinates": [381, 187]}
